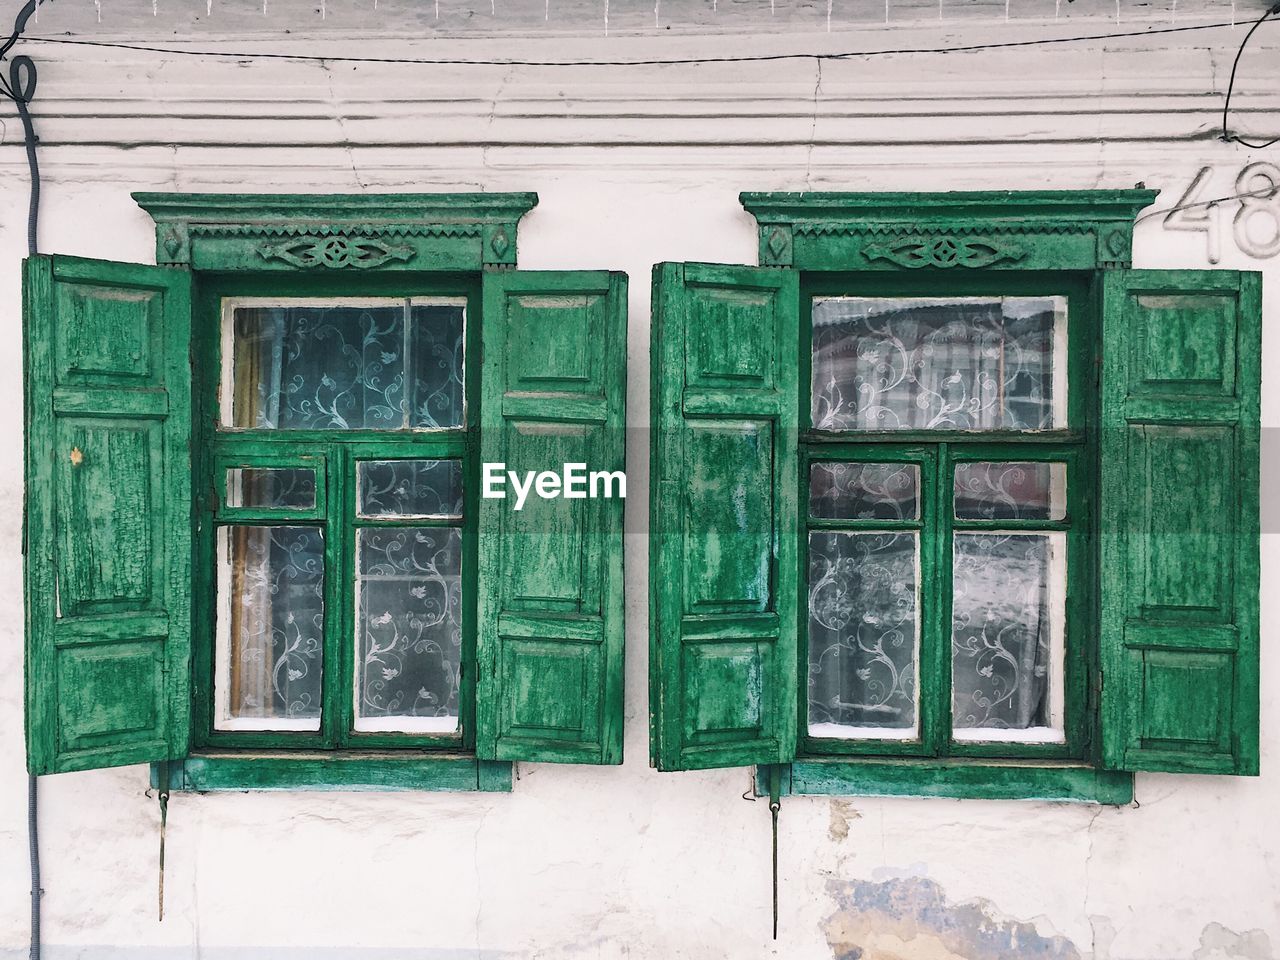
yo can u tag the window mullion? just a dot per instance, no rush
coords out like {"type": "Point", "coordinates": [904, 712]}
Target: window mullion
{"type": "Point", "coordinates": [938, 608]}
{"type": "Point", "coordinates": [338, 651]}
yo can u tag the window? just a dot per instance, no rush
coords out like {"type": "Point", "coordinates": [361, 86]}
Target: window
{"type": "Point", "coordinates": [939, 547]}
{"type": "Point", "coordinates": [262, 558]}
{"type": "Point", "coordinates": [340, 619]}
{"type": "Point", "coordinates": [948, 500]}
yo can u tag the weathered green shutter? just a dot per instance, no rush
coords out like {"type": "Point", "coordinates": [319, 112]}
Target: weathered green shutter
{"type": "Point", "coordinates": [1180, 425]}
{"type": "Point", "coordinates": [549, 645]}
{"type": "Point", "coordinates": [108, 517]}
{"type": "Point", "coordinates": [723, 578]}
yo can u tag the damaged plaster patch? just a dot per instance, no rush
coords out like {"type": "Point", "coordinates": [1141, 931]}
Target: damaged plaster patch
{"type": "Point", "coordinates": [842, 811]}
{"type": "Point", "coordinates": [1219, 943]}
{"type": "Point", "coordinates": [911, 919]}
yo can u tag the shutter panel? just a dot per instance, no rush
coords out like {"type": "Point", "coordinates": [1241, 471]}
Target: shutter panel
{"type": "Point", "coordinates": [550, 643]}
{"type": "Point", "coordinates": [1180, 430]}
{"type": "Point", "coordinates": [723, 563]}
{"type": "Point", "coordinates": [108, 518]}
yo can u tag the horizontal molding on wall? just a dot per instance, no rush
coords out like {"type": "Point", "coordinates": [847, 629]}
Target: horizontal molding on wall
{"type": "Point", "coordinates": [168, 19]}
{"type": "Point", "coordinates": [1144, 90]}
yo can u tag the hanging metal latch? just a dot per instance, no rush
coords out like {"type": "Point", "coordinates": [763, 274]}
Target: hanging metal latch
{"type": "Point", "coordinates": [164, 818]}
{"type": "Point", "coordinates": [775, 805]}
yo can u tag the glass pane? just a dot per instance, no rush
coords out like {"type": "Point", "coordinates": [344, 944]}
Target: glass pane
{"type": "Point", "coordinates": [1011, 491]}
{"type": "Point", "coordinates": [864, 491]}
{"type": "Point", "coordinates": [343, 364]}
{"type": "Point", "coordinates": [863, 634]}
{"type": "Point", "coordinates": [410, 488]}
{"type": "Point", "coordinates": [1007, 635]}
{"type": "Point", "coordinates": [963, 363]}
{"type": "Point", "coordinates": [408, 628]}
{"type": "Point", "coordinates": [435, 365]}
{"type": "Point", "coordinates": [266, 487]}
{"type": "Point", "coordinates": [270, 634]}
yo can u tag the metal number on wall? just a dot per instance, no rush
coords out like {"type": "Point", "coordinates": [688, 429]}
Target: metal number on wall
{"type": "Point", "coordinates": [1256, 225]}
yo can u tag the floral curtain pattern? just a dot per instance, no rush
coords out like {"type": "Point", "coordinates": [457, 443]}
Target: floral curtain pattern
{"type": "Point", "coordinates": [271, 487]}
{"type": "Point", "coordinates": [864, 491]}
{"type": "Point", "coordinates": [863, 633]}
{"type": "Point", "coordinates": [410, 488]}
{"type": "Point", "coordinates": [936, 364]}
{"type": "Point", "coordinates": [1005, 612]}
{"type": "Point", "coordinates": [436, 370]}
{"type": "Point", "coordinates": [409, 627]}
{"type": "Point", "coordinates": [273, 624]}
{"type": "Point", "coordinates": [1010, 491]}
{"type": "Point", "coordinates": [390, 366]}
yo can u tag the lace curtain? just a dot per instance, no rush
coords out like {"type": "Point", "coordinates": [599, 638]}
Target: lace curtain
{"type": "Point", "coordinates": [379, 365]}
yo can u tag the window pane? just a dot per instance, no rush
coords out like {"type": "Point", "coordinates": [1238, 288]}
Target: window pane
{"type": "Point", "coordinates": [270, 634]}
{"type": "Point", "coordinates": [1007, 635]}
{"type": "Point", "coordinates": [1011, 491]}
{"type": "Point", "coordinates": [408, 628]}
{"type": "Point", "coordinates": [338, 365]}
{"type": "Point", "coordinates": [863, 634]}
{"type": "Point", "coordinates": [965, 363]}
{"type": "Point", "coordinates": [410, 488]}
{"type": "Point", "coordinates": [266, 487]}
{"type": "Point", "coordinates": [864, 491]}
{"type": "Point", "coordinates": [435, 368]}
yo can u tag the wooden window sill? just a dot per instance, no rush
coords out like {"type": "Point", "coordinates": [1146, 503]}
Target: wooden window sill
{"type": "Point", "coordinates": [315, 770]}
{"type": "Point", "coordinates": [956, 779]}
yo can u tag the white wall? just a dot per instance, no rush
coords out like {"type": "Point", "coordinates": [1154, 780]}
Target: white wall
{"type": "Point", "coordinates": [635, 166]}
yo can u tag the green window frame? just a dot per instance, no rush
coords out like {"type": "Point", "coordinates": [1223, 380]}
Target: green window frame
{"type": "Point", "coordinates": [335, 454]}
{"type": "Point", "coordinates": [124, 448]}
{"type": "Point", "coordinates": [1161, 671]}
{"type": "Point", "coordinates": [937, 453]}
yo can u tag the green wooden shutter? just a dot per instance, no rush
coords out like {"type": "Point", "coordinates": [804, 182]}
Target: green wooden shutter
{"type": "Point", "coordinates": [723, 577]}
{"type": "Point", "coordinates": [1180, 425]}
{"type": "Point", "coordinates": [108, 516]}
{"type": "Point", "coordinates": [550, 643]}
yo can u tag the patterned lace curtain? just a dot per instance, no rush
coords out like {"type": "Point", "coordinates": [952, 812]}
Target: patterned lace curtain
{"type": "Point", "coordinates": [276, 577]}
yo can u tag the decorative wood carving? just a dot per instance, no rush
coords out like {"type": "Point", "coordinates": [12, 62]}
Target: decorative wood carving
{"type": "Point", "coordinates": [995, 230]}
{"type": "Point", "coordinates": [336, 252]}
{"type": "Point", "coordinates": [943, 251]}
{"type": "Point", "coordinates": [401, 231]}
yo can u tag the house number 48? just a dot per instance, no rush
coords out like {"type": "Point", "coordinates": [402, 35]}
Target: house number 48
{"type": "Point", "coordinates": [1256, 226]}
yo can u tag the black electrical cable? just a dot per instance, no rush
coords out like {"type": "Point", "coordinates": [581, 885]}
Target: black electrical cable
{"type": "Point", "coordinates": [22, 83]}
{"type": "Point", "coordinates": [1227, 135]}
{"type": "Point", "coordinates": [754, 58]}
{"type": "Point", "coordinates": [21, 87]}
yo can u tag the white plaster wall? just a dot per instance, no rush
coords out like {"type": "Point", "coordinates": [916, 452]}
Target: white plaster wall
{"type": "Point", "coordinates": [633, 166]}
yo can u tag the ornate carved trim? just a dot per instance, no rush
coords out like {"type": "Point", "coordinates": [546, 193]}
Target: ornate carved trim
{"type": "Point", "coordinates": [855, 228]}
{"type": "Point", "coordinates": [303, 229]}
{"type": "Point", "coordinates": [336, 252]}
{"type": "Point", "coordinates": [421, 231]}
{"type": "Point", "coordinates": [775, 245]}
{"type": "Point", "coordinates": [1003, 230]}
{"type": "Point", "coordinates": [925, 250]}
{"type": "Point", "coordinates": [1115, 249]}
